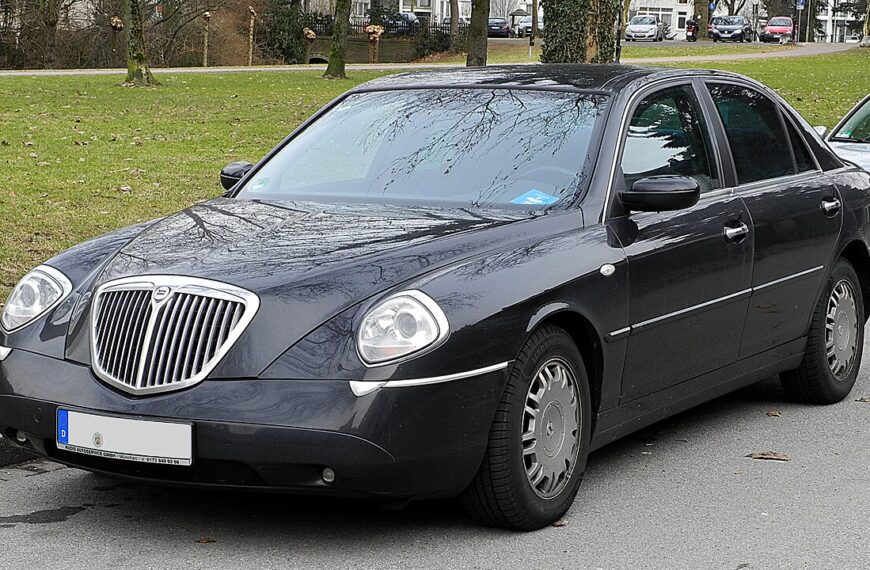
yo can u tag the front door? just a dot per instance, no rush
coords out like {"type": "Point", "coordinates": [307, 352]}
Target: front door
{"type": "Point", "coordinates": [689, 270]}
{"type": "Point", "coordinates": [795, 211]}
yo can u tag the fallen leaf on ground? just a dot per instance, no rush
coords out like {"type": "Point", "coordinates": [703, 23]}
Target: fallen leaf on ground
{"type": "Point", "coordinates": [560, 523]}
{"type": "Point", "coordinates": [865, 399]}
{"type": "Point", "coordinates": [205, 540]}
{"type": "Point", "coordinates": [770, 456]}
{"type": "Point", "coordinates": [125, 189]}
{"type": "Point", "coordinates": [774, 413]}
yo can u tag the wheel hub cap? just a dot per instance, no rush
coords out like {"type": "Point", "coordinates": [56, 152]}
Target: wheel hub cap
{"type": "Point", "coordinates": [841, 330]}
{"type": "Point", "coordinates": [551, 429]}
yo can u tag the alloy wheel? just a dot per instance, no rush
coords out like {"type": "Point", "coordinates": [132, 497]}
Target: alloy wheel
{"type": "Point", "coordinates": [551, 428]}
{"type": "Point", "coordinates": [841, 329]}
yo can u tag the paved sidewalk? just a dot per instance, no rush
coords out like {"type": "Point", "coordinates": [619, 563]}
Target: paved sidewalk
{"type": "Point", "coordinates": [800, 51]}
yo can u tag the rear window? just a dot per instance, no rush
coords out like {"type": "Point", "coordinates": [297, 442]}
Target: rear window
{"type": "Point", "coordinates": [497, 21]}
{"type": "Point", "coordinates": [471, 148]}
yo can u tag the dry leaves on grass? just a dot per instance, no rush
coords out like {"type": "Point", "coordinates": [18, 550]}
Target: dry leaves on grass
{"type": "Point", "coordinates": [560, 523]}
{"type": "Point", "coordinates": [769, 456]}
{"type": "Point", "coordinates": [864, 400]}
{"type": "Point", "coordinates": [774, 413]}
{"type": "Point", "coordinates": [205, 540]}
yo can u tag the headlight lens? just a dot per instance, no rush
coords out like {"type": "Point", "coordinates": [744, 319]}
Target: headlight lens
{"type": "Point", "coordinates": [39, 291]}
{"type": "Point", "coordinates": [399, 326]}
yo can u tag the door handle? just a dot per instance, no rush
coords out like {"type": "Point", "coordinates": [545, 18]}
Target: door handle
{"type": "Point", "coordinates": [737, 233]}
{"type": "Point", "coordinates": [830, 206]}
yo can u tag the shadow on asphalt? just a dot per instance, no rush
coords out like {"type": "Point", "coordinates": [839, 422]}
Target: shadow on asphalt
{"type": "Point", "coordinates": [122, 502]}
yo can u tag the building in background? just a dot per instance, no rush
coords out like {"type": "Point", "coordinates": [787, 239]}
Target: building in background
{"type": "Point", "coordinates": [837, 25]}
{"type": "Point", "coordinates": [673, 13]}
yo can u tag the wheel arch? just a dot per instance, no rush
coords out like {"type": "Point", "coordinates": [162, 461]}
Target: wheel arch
{"type": "Point", "coordinates": [587, 339]}
{"type": "Point", "coordinates": [856, 254]}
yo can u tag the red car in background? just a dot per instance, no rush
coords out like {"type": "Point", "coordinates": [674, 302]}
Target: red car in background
{"type": "Point", "coordinates": [778, 28]}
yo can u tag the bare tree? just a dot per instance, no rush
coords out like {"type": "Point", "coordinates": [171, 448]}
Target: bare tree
{"type": "Point", "coordinates": [477, 33]}
{"type": "Point", "coordinates": [454, 24]}
{"type": "Point", "coordinates": [501, 8]}
{"type": "Point", "coordinates": [338, 53]}
{"type": "Point", "coordinates": [734, 6]}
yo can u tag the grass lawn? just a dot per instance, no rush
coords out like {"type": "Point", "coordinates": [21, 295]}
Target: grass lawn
{"type": "Point", "coordinates": [517, 51]}
{"type": "Point", "coordinates": [81, 156]}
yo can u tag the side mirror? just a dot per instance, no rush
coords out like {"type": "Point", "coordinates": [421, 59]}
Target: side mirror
{"type": "Point", "coordinates": [233, 172]}
{"type": "Point", "coordinates": [662, 194]}
{"type": "Point", "coordinates": [822, 130]}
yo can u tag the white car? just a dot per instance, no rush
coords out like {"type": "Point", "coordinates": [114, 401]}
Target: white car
{"type": "Point", "coordinates": [645, 28]}
{"type": "Point", "coordinates": [850, 139]}
{"type": "Point", "coordinates": [524, 26]}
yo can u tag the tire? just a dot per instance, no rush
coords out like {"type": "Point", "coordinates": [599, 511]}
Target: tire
{"type": "Point", "coordinates": [824, 378]}
{"type": "Point", "coordinates": [502, 492]}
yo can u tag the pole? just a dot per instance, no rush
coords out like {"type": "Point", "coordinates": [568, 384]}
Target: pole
{"type": "Point", "coordinates": [251, 36]}
{"type": "Point", "coordinates": [809, 20]}
{"type": "Point", "coordinates": [798, 38]}
{"type": "Point", "coordinates": [206, 16]}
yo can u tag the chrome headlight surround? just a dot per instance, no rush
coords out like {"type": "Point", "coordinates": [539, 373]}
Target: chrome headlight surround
{"type": "Point", "coordinates": [37, 293]}
{"type": "Point", "coordinates": [399, 327]}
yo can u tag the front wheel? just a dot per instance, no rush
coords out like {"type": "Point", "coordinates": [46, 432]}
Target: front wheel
{"type": "Point", "coordinates": [834, 344]}
{"type": "Point", "coordinates": [539, 439]}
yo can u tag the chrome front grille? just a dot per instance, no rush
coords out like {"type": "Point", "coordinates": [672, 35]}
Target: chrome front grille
{"type": "Point", "coordinates": [159, 333]}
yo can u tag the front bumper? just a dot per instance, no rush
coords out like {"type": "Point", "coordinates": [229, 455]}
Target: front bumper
{"type": "Point", "coordinates": [641, 35]}
{"type": "Point", "coordinates": [394, 443]}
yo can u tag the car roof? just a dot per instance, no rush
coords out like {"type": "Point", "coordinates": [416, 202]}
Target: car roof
{"type": "Point", "coordinates": [582, 77]}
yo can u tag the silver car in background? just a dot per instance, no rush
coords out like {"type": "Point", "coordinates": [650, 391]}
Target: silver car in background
{"type": "Point", "coordinates": [646, 27]}
{"type": "Point", "coordinates": [850, 139]}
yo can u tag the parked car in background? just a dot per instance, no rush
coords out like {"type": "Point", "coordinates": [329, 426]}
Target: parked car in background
{"type": "Point", "coordinates": [851, 137]}
{"type": "Point", "coordinates": [732, 29]}
{"type": "Point", "coordinates": [402, 24]}
{"type": "Point", "coordinates": [463, 21]}
{"type": "Point", "coordinates": [645, 27]}
{"type": "Point", "coordinates": [499, 28]}
{"type": "Point", "coordinates": [524, 26]}
{"type": "Point", "coordinates": [468, 302]}
{"type": "Point", "coordinates": [778, 29]}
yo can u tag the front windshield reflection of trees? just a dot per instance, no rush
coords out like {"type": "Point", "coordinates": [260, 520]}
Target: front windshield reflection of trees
{"type": "Point", "coordinates": [471, 148]}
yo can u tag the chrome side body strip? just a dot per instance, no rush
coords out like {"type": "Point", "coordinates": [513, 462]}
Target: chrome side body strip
{"type": "Point", "coordinates": [361, 388]}
{"type": "Point", "coordinates": [4, 352]}
{"type": "Point", "coordinates": [612, 336]}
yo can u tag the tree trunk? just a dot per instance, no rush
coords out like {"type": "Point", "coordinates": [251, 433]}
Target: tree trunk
{"type": "Point", "coordinates": [580, 31]}
{"type": "Point", "coordinates": [702, 11]}
{"type": "Point", "coordinates": [534, 33]}
{"type": "Point", "coordinates": [335, 69]}
{"type": "Point", "coordinates": [454, 24]}
{"type": "Point", "coordinates": [138, 68]}
{"type": "Point", "coordinates": [477, 33]}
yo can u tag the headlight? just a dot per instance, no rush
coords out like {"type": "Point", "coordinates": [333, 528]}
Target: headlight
{"type": "Point", "coordinates": [38, 292]}
{"type": "Point", "coordinates": [399, 326]}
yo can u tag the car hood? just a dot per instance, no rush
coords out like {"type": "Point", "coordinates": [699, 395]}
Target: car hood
{"type": "Point", "coordinates": [778, 29]}
{"type": "Point", "coordinates": [307, 262]}
{"type": "Point", "coordinates": [729, 27]}
{"type": "Point", "coordinates": [641, 28]}
{"type": "Point", "coordinates": [859, 153]}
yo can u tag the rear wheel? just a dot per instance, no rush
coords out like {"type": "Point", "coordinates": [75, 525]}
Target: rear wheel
{"type": "Point", "coordinates": [834, 344]}
{"type": "Point", "coordinates": [539, 439]}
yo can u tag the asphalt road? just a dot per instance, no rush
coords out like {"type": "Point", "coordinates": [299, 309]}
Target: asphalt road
{"type": "Point", "coordinates": [680, 495]}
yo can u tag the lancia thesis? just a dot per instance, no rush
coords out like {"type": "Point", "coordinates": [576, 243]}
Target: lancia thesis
{"type": "Point", "coordinates": [454, 283]}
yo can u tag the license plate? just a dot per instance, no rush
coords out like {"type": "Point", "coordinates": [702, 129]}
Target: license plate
{"type": "Point", "coordinates": [145, 441]}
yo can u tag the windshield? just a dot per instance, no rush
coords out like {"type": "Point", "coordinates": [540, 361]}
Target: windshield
{"type": "Point", "coordinates": [732, 21]}
{"type": "Point", "coordinates": [471, 148]}
{"type": "Point", "coordinates": [779, 22]}
{"type": "Point", "coordinates": [642, 21]}
{"type": "Point", "coordinates": [857, 128]}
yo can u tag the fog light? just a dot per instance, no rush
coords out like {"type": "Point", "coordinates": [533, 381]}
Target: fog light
{"type": "Point", "coordinates": [328, 475]}
{"type": "Point", "coordinates": [20, 437]}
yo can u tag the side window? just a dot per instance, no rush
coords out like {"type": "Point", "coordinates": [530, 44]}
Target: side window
{"type": "Point", "coordinates": [760, 147]}
{"type": "Point", "coordinates": [667, 136]}
{"type": "Point", "coordinates": [801, 153]}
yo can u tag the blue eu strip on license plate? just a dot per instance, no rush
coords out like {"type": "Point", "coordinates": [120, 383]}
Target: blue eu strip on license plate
{"type": "Point", "coordinates": [62, 426]}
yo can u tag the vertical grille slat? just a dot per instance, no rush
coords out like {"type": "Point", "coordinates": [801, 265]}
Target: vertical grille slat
{"type": "Point", "coordinates": [188, 329]}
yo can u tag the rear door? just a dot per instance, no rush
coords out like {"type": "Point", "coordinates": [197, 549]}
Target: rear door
{"type": "Point", "coordinates": [688, 270]}
{"type": "Point", "coordinates": [795, 210]}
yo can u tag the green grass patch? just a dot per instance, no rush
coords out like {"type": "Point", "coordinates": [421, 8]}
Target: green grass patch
{"type": "Point", "coordinates": [81, 156]}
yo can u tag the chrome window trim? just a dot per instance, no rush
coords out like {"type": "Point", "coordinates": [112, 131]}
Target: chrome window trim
{"type": "Point", "coordinates": [626, 331]}
{"type": "Point", "coordinates": [176, 283]}
{"type": "Point", "coordinates": [361, 388]}
{"type": "Point", "coordinates": [60, 279]}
